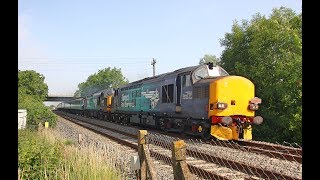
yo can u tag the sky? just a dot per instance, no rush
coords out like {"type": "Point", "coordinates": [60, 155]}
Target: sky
{"type": "Point", "coordinates": [68, 40]}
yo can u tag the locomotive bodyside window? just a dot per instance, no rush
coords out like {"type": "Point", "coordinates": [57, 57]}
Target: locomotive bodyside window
{"type": "Point", "coordinates": [167, 93]}
{"type": "Point", "coordinates": [138, 93]}
{"type": "Point", "coordinates": [133, 94]}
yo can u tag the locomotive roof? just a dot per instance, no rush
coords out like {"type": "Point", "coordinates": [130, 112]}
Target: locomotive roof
{"type": "Point", "coordinates": [144, 80]}
{"type": "Point", "coordinates": [106, 92]}
{"type": "Point", "coordinates": [160, 76]}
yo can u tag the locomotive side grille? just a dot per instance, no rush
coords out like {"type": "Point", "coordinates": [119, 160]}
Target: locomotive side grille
{"type": "Point", "coordinates": [206, 91]}
{"type": "Point", "coordinates": [195, 93]}
{"type": "Point", "coordinates": [200, 92]}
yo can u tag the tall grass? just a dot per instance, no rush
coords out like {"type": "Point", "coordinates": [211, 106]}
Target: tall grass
{"type": "Point", "coordinates": [86, 164]}
{"type": "Point", "coordinates": [43, 156]}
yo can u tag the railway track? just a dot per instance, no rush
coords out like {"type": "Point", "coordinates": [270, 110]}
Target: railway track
{"type": "Point", "coordinates": [273, 150]}
{"type": "Point", "coordinates": [287, 153]}
{"type": "Point", "coordinates": [203, 160]}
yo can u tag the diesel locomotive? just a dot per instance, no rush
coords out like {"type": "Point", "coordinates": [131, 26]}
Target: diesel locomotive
{"type": "Point", "coordinates": [202, 100]}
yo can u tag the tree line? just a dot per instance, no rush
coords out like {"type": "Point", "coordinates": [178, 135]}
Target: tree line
{"type": "Point", "coordinates": [266, 50]}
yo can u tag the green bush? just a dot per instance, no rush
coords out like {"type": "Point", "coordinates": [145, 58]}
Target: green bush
{"type": "Point", "coordinates": [38, 158]}
{"type": "Point", "coordinates": [36, 110]}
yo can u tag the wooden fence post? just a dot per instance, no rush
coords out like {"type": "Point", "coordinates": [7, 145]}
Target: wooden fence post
{"type": "Point", "coordinates": [40, 127]}
{"type": "Point", "coordinates": [180, 167]}
{"type": "Point", "coordinates": [146, 165]}
{"type": "Point", "coordinates": [80, 139]}
{"type": "Point", "coordinates": [143, 164]}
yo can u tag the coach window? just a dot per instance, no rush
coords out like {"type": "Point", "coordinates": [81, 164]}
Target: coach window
{"type": "Point", "coordinates": [167, 93]}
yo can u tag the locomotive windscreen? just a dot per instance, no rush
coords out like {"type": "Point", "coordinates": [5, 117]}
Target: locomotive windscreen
{"type": "Point", "coordinates": [204, 72]}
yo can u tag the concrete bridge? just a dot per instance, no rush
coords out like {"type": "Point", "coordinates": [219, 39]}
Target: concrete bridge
{"type": "Point", "coordinates": [58, 98]}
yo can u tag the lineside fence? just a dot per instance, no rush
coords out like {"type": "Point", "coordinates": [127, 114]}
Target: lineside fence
{"type": "Point", "coordinates": [216, 160]}
{"type": "Point", "coordinates": [164, 157]}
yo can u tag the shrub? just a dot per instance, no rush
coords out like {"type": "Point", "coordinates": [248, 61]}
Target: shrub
{"type": "Point", "coordinates": [36, 110]}
{"type": "Point", "coordinates": [37, 157]}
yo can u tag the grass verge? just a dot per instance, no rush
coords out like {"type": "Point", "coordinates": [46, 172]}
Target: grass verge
{"type": "Point", "coordinates": [43, 156]}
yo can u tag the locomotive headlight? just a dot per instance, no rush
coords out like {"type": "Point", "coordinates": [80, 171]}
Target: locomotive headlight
{"type": "Point", "coordinates": [257, 120]}
{"type": "Point", "coordinates": [253, 106]}
{"type": "Point", "coordinates": [221, 105]}
{"type": "Point", "coordinates": [226, 120]}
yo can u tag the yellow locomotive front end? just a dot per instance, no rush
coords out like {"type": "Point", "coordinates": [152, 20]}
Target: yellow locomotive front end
{"type": "Point", "coordinates": [232, 106]}
{"type": "Point", "coordinates": [108, 103]}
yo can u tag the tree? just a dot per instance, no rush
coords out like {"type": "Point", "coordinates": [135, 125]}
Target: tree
{"type": "Point", "coordinates": [32, 91]}
{"type": "Point", "coordinates": [32, 83]}
{"type": "Point", "coordinates": [209, 58]}
{"type": "Point", "coordinates": [77, 93]}
{"type": "Point", "coordinates": [104, 79]}
{"type": "Point", "coordinates": [269, 52]}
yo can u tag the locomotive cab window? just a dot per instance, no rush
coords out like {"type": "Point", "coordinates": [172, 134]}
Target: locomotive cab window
{"type": "Point", "coordinates": [167, 93]}
{"type": "Point", "coordinates": [201, 73]}
{"type": "Point", "coordinates": [98, 101]}
{"type": "Point", "coordinates": [204, 72]}
{"type": "Point", "coordinates": [186, 80]}
{"type": "Point", "coordinates": [217, 71]}
{"type": "Point", "coordinates": [103, 102]}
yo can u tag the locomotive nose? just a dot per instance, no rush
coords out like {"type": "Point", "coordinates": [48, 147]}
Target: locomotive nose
{"type": "Point", "coordinates": [236, 92]}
